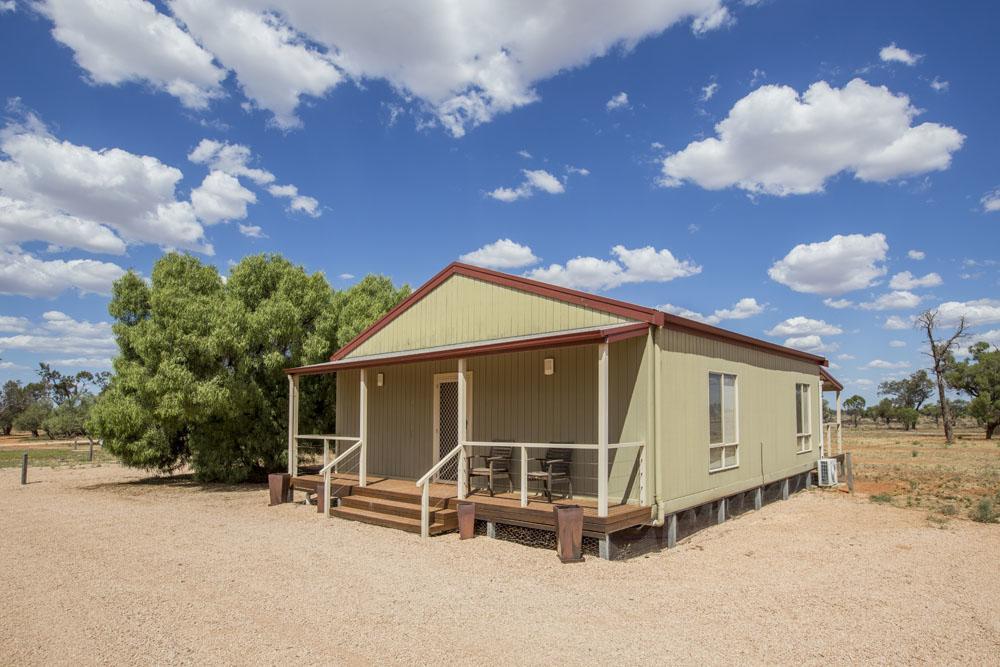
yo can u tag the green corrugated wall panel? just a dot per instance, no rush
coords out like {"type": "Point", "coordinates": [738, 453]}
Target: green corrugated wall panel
{"type": "Point", "coordinates": [766, 386]}
{"type": "Point", "coordinates": [465, 310]}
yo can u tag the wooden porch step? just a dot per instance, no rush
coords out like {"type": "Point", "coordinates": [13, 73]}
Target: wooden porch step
{"type": "Point", "coordinates": [411, 497]}
{"type": "Point", "coordinates": [386, 520]}
{"type": "Point", "coordinates": [396, 508]}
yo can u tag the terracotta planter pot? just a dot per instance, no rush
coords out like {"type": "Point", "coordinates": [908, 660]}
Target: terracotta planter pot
{"type": "Point", "coordinates": [569, 533]}
{"type": "Point", "coordinates": [279, 485]}
{"type": "Point", "coordinates": [466, 520]}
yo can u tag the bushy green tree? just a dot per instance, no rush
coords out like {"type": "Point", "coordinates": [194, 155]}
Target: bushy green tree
{"type": "Point", "coordinates": [69, 418]}
{"type": "Point", "coordinates": [199, 378]}
{"type": "Point", "coordinates": [364, 303]}
{"type": "Point", "coordinates": [33, 416]}
{"type": "Point", "coordinates": [855, 406]}
{"type": "Point", "coordinates": [884, 409]}
{"type": "Point", "coordinates": [909, 392]}
{"type": "Point", "coordinates": [908, 417]}
{"type": "Point", "coordinates": [979, 377]}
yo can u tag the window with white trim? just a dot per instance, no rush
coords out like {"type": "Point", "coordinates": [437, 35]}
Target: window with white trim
{"type": "Point", "coordinates": [723, 418]}
{"type": "Point", "coordinates": [803, 418]}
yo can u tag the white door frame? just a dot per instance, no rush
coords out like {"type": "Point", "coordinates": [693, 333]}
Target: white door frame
{"type": "Point", "coordinates": [439, 379]}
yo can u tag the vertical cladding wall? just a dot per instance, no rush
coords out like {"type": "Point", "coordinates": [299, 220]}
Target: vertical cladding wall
{"type": "Point", "coordinates": [766, 399]}
{"type": "Point", "coordinates": [465, 310]}
{"type": "Point", "coordinates": [512, 399]}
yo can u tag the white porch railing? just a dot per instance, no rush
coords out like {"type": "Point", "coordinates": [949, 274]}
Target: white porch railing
{"type": "Point", "coordinates": [425, 494]}
{"type": "Point", "coordinates": [523, 447]}
{"type": "Point", "coordinates": [359, 446]}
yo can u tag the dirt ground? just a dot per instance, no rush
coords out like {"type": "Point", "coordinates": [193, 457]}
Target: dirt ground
{"type": "Point", "coordinates": [102, 565]}
{"type": "Point", "coordinates": [915, 469]}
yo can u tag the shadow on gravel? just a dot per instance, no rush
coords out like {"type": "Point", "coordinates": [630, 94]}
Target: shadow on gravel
{"type": "Point", "coordinates": [184, 481]}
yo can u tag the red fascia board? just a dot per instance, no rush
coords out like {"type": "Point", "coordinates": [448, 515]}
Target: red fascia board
{"type": "Point", "coordinates": [606, 335]}
{"type": "Point", "coordinates": [708, 331]}
{"type": "Point", "coordinates": [564, 294]}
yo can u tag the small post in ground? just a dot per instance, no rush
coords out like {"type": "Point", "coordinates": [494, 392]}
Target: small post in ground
{"type": "Point", "coordinates": [849, 469]}
{"type": "Point", "coordinates": [24, 468]}
{"type": "Point", "coordinates": [90, 456]}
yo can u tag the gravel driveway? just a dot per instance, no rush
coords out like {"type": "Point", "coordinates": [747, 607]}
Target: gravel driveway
{"type": "Point", "coordinates": [100, 566]}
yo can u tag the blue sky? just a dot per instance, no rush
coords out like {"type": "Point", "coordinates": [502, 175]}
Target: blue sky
{"type": "Point", "coordinates": [767, 166]}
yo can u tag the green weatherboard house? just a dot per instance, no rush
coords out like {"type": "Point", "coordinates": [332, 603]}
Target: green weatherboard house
{"type": "Point", "coordinates": [516, 394]}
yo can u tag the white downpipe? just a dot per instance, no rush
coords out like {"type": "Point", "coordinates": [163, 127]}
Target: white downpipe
{"type": "Point", "coordinates": [462, 427]}
{"type": "Point", "coordinates": [363, 458]}
{"type": "Point", "coordinates": [602, 430]}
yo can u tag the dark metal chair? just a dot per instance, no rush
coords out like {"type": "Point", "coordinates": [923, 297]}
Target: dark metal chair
{"type": "Point", "coordinates": [555, 468]}
{"type": "Point", "coordinates": [495, 466]}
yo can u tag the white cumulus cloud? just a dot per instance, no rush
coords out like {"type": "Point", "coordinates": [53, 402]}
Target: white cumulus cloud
{"type": "Point", "coordinates": [886, 365]}
{"type": "Point", "coordinates": [907, 281]}
{"type": "Point", "coordinates": [991, 201]}
{"type": "Point", "coordinates": [777, 142]}
{"type": "Point", "coordinates": [24, 274]}
{"type": "Point", "coordinates": [501, 254]}
{"type": "Point", "coordinates": [897, 323]}
{"type": "Point", "coordinates": [629, 266]}
{"type": "Point", "coordinates": [619, 101]}
{"type": "Point", "coordinates": [118, 41]}
{"type": "Point", "coordinates": [803, 326]}
{"type": "Point", "coordinates": [897, 54]}
{"type": "Point", "coordinates": [464, 62]}
{"type": "Point", "coordinates": [96, 200]}
{"type": "Point", "coordinates": [976, 312]}
{"type": "Point", "coordinates": [811, 343]}
{"type": "Point", "coordinates": [842, 264]}
{"type": "Point", "coordinates": [221, 197]}
{"type": "Point", "coordinates": [916, 254]}
{"type": "Point", "coordinates": [534, 180]}
{"type": "Point", "coordinates": [895, 300]}
{"type": "Point", "coordinates": [741, 310]}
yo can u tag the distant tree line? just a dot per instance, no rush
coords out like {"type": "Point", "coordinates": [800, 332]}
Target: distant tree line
{"type": "Point", "coordinates": [56, 404]}
{"type": "Point", "coordinates": [198, 379]}
{"type": "Point", "coordinates": [977, 376]}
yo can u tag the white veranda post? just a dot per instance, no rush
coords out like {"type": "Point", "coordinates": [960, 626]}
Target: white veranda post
{"type": "Point", "coordinates": [293, 424]}
{"type": "Point", "coordinates": [462, 426]}
{"type": "Point", "coordinates": [602, 430]}
{"type": "Point", "coordinates": [363, 417]}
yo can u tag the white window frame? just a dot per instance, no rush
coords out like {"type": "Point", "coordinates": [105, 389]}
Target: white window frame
{"type": "Point", "coordinates": [804, 436]}
{"type": "Point", "coordinates": [735, 444]}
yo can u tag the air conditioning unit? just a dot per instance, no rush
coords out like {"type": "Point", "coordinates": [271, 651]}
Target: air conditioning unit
{"type": "Point", "coordinates": [826, 470]}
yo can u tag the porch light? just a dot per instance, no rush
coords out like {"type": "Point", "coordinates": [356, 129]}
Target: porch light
{"type": "Point", "coordinates": [550, 366]}
{"type": "Point", "coordinates": [379, 379]}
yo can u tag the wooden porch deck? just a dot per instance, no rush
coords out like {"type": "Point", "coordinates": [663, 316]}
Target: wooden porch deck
{"type": "Point", "coordinates": [503, 508]}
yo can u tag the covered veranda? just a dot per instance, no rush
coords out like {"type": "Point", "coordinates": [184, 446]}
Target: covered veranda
{"type": "Point", "coordinates": [409, 424]}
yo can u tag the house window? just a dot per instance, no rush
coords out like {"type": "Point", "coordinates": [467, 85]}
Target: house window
{"type": "Point", "coordinates": [803, 419]}
{"type": "Point", "coordinates": [723, 434]}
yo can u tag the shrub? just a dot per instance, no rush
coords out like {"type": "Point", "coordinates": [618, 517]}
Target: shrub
{"type": "Point", "coordinates": [881, 498]}
{"type": "Point", "coordinates": [984, 512]}
{"type": "Point", "coordinates": [949, 510]}
{"type": "Point", "coordinates": [914, 453]}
